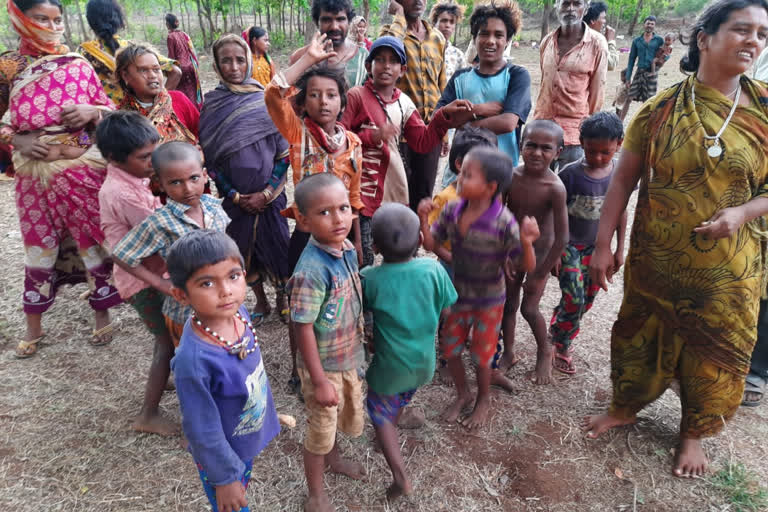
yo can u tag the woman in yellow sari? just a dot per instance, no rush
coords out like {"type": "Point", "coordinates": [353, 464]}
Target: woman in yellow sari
{"type": "Point", "coordinates": [694, 274]}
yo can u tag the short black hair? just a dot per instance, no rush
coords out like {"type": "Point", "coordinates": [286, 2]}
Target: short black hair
{"type": "Point", "coordinates": [510, 14]}
{"type": "Point", "coordinates": [171, 20]}
{"type": "Point", "coordinates": [310, 186]}
{"type": "Point", "coordinates": [333, 6]}
{"type": "Point", "coordinates": [196, 250]}
{"type": "Point", "coordinates": [546, 124]}
{"type": "Point", "coordinates": [323, 71]}
{"type": "Point", "coordinates": [454, 9]}
{"type": "Point", "coordinates": [174, 151]}
{"type": "Point", "coordinates": [602, 126]}
{"type": "Point", "coordinates": [650, 17]}
{"type": "Point", "coordinates": [106, 18]}
{"type": "Point", "coordinates": [496, 166]}
{"type": "Point", "coordinates": [395, 229]}
{"type": "Point", "coordinates": [467, 138]}
{"type": "Point", "coordinates": [594, 11]}
{"type": "Point", "coordinates": [122, 132]}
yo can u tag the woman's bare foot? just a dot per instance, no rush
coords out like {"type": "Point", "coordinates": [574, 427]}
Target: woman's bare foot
{"type": "Point", "coordinates": [479, 415]}
{"type": "Point", "coordinates": [444, 376]}
{"type": "Point", "coordinates": [500, 380]}
{"type": "Point", "coordinates": [690, 461]}
{"type": "Point", "coordinates": [543, 373]}
{"type": "Point", "coordinates": [155, 424]}
{"type": "Point", "coordinates": [452, 413]}
{"type": "Point", "coordinates": [508, 360]}
{"type": "Point", "coordinates": [353, 470]}
{"type": "Point", "coordinates": [596, 425]}
{"type": "Point", "coordinates": [320, 503]}
{"type": "Point", "coordinates": [398, 489]}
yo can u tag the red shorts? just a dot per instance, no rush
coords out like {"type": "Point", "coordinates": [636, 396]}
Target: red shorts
{"type": "Point", "coordinates": [484, 324]}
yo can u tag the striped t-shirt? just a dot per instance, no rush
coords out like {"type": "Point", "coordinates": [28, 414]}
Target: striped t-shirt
{"type": "Point", "coordinates": [478, 257]}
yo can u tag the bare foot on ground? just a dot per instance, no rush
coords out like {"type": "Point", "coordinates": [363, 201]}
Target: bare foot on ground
{"type": "Point", "coordinates": [353, 470]}
{"type": "Point", "coordinates": [452, 413]}
{"type": "Point", "coordinates": [596, 425]}
{"type": "Point", "coordinates": [479, 415]}
{"type": "Point", "coordinates": [318, 504]}
{"type": "Point", "coordinates": [412, 417]}
{"type": "Point", "coordinates": [500, 380]}
{"type": "Point", "coordinates": [543, 373]}
{"type": "Point", "coordinates": [155, 425]}
{"type": "Point", "coordinates": [399, 489]}
{"type": "Point", "coordinates": [508, 360]}
{"type": "Point", "coordinates": [690, 461]}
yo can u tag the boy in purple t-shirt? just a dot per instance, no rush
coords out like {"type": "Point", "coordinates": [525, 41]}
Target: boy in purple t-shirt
{"type": "Point", "coordinates": [586, 183]}
{"type": "Point", "coordinates": [485, 238]}
{"type": "Point", "coordinates": [226, 403]}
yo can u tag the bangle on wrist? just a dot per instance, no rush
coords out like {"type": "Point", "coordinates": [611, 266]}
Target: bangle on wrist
{"type": "Point", "coordinates": [267, 193]}
{"type": "Point", "coordinates": [236, 198]}
{"type": "Point", "coordinates": [474, 116]}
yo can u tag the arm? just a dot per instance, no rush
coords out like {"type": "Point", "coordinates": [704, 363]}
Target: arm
{"type": "Point", "coordinates": [560, 214]}
{"type": "Point", "coordinates": [631, 63]}
{"type": "Point", "coordinates": [597, 83]}
{"type": "Point", "coordinates": [503, 123]}
{"type": "Point", "coordinates": [425, 207]}
{"type": "Point", "coordinates": [173, 77]}
{"type": "Point", "coordinates": [613, 55]}
{"type": "Point", "coordinates": [325, 392]}
{"type": "Point", "coordinates": [398, 26]}
{"type": "Point", "coordinates": [529, 233]}
{"type": "Point", "coordinates": [141, 272]}
{"type": "Point", "coordinates": [517, 104]}
{"type": "Point", "coordinates": [618, 256]}
{"type": "Point", "coordinates": [726, 222]}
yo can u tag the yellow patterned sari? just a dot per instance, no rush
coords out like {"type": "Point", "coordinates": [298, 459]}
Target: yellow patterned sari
{"type": "Point", "coordinates": [691, 303]}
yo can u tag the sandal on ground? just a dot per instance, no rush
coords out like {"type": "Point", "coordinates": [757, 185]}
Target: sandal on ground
{"type": "Point", "coordinates": [26, 349]}
{"type": "Point", "coordinates": [566, 358]}
{"type": "Point", "coordinates": [753, 384]}
{"type": "Point", "coordinates": [285, 315]}
{"type": "Point", "coordinates": [103, 336]}
{"type": "Point", "coordinates": [257, 318]}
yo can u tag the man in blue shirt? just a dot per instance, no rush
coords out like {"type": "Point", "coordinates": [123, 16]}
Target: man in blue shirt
{"type": "Point", "coordinates": [644, 48]}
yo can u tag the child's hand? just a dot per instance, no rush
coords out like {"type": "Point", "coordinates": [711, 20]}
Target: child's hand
{"type": "Point", "coordinates": [490, 109]}
{"type": "Point", "coordinates": [325, 394]}
{"type": "Point", "coordinates": [610, 33]}
{"type": "Point", "coordinates": [510, 270]}
{"type": "Point", "coordinates": [618, 260]}
{"type": "Point", "coordinates": [458, 112]}
{"type": "Point", "coordinates": [320, 48]}
{"type": "Point", "coordinates": [425, 208]}
{"type": "Point", "coordinates": [529, 230]}
{"type": "Point", "coordinates": [556, 269]}
{"type": "Point", "coordinates": [385, 133]}
{"type": "Point", "coordinates": [395, 9]}
{"type": "Point", "coordinates": [231, 497]}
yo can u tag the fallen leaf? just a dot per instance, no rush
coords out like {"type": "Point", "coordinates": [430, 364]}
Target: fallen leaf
{"type": "Point", "coordinates": [619, 473]}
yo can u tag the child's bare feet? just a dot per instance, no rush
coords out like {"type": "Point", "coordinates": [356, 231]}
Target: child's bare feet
{"type": "Point", "coordinates": [543, 373]}
{"type": "Point", "coordinates": [319, 503]}
{"type": "Point", "coordinates": [398, 489]}
{"type": "Point", "coordinates": [690, 461]}
{"type": "Point", "coordinates": [155, 424]}
{"type": "Point", "coordinates": [411, 417]}
{"type": "Point", "coordinates": [500, 380]}
{"type": "Point", "coordinates": [444, 376]}
{"type": "Point", "coordinates": [479, 415]}
{"type": "Point", "coordinates": [508, 360]}
{"type": "Point", "coordinates": [596, 425]}
{"type": "Point", "coordinates": [353, 470]}
{"type": "Point", "coordinates": [452, 413]}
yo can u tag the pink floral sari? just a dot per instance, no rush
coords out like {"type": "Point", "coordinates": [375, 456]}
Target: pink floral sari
{"type": "Point", "coordinates": [57, 201]}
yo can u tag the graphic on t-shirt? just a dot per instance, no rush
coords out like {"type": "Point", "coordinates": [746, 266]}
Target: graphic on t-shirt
{"type": "Point", "coordinates": [252, 417]}
{"type": "Point", "coordinates": [586, 207]}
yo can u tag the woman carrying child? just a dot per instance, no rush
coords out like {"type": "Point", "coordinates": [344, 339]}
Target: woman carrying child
{"type": "Point", "coordinates": [250, 156]}
{"type": "Point", "coordinates": [695, 268]}
{"type": "Point", "coordinates": [47, 90]}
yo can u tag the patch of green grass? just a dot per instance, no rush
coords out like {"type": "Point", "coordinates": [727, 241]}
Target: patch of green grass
{"type": "Point", "coordinates": [740, 488]}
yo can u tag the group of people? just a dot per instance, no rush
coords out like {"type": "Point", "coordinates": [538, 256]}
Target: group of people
{"type": "Point", "coordinates": [112, 169]}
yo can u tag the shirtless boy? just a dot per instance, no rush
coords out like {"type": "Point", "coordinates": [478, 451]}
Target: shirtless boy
{"type": "Point", "coordinates": [537, 192]}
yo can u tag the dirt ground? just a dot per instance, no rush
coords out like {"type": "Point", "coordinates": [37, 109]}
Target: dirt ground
{"type": "Point", "coordinates": [65, 443]}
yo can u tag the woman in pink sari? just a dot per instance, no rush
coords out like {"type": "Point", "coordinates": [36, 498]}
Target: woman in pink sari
{"type": "Point", "coordinates": [53, 99]}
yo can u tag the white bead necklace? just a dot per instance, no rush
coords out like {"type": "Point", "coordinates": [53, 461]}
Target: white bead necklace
{"type": "Point", "coordinates": [715, 149]}
{"type": "Point", "coordinates": [238, 347]}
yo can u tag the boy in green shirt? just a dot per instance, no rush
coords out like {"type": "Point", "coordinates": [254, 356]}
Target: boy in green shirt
{"type": "Point", "coordinates": [403, 342]}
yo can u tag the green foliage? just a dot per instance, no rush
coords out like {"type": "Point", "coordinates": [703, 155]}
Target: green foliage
{"type": "Point", "coordinates": [740, 489]}
{"type": "Point", "coordinates": [683, 7]}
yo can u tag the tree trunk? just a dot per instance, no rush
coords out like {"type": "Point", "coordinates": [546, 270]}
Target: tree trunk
{"type": "Point", "coordinates": [80, 20]}
{"type": "Point", "coordinates": [638, 9]}
{"type": "Point", "coordinates": [206, 41]}
{"type": "Point", "coordinates": [67, 28]}
{"type": "Point", "coordinates": [367, 10]}
{"type": "Point", "coordinates": [545, 19]}
{"type": "Point", "coordinates": [170, 5]}
{"type": "Point", "coordinates": [290, 23]}
{"type": "Point", "coordinates": [269, 19]}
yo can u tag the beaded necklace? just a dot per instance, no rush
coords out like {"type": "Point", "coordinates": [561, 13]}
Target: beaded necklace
{"type": "Point", "coordinates": [239, 346]}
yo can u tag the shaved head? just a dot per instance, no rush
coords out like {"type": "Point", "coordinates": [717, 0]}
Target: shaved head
{"type": "Point", "coordinates": [175, 151]}
{"type": "Point", "coordinates": [395, 229]}
{"type": "Point", "coordinates": [545, 125]}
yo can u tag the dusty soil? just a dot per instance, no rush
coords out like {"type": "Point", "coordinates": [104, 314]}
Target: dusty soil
{"type": "Point", "coordinates": [65, 443]}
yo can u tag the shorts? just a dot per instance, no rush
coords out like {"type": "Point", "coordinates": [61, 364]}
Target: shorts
{"type": "Point", "coordinates": [175, 330]}
{"type": "Point", "coordinates": [323, 422]}
{"type": "Point", "coordinates": [148, 303]}
{"type": "Point", "coordinates": [385, 408]}
{"type": "Point", "coordinates": [210, 490]}
{"type": "Point", "coordinates": [485, 335]}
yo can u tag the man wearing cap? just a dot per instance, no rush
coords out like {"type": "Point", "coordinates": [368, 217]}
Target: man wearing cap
{"type": "Point", "coordinates": [332, 19]}
{"type": "Point", "coordinates": [423, 81]}
{"type": "Point", "coordinates": [644, 48]}
{"type": "Point", "coordinates": [380, 114]}
{"type": "Point", "coordinates": [574, 66]}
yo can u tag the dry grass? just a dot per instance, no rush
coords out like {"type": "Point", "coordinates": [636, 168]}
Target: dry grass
{"type": "Point", "coordinates": [65, 443]}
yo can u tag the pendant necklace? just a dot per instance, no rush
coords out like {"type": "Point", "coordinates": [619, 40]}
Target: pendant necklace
{"type": "Point", "coordinates": [239, 347]}
{"type": "Point", "coordinates": [715, 150]}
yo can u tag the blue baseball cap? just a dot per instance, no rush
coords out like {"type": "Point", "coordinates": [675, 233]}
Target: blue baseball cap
{"type": "Point", "coordinates": [388, 42]}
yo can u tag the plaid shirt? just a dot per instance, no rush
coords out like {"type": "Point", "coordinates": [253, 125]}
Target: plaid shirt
{"type": "Point", "coordinates": [424, 78]}
{"type": "Point", "coordinates": [157, 233]}
{"type": "Point", "coordinates": [325, 290]}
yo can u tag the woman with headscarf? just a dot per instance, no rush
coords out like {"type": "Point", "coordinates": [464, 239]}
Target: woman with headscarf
{"type": "Point", "coordinates": [263, 68]}
{"type": "Point", "coordinates": [181, 49]}
{"type": "Point", "coordinates": [696, 266]}
{"type": "Point", "coordinates": [357, 29]}
{"type": "Point", "coordinates": [105, 17]}
{"type": "Point", "coordinates": [250, 157]}
{"type": "Point", "coordinates": [53, 99]}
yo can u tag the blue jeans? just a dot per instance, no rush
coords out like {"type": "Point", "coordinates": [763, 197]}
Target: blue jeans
{"type": "Point", "coordinates": [210, 490]}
